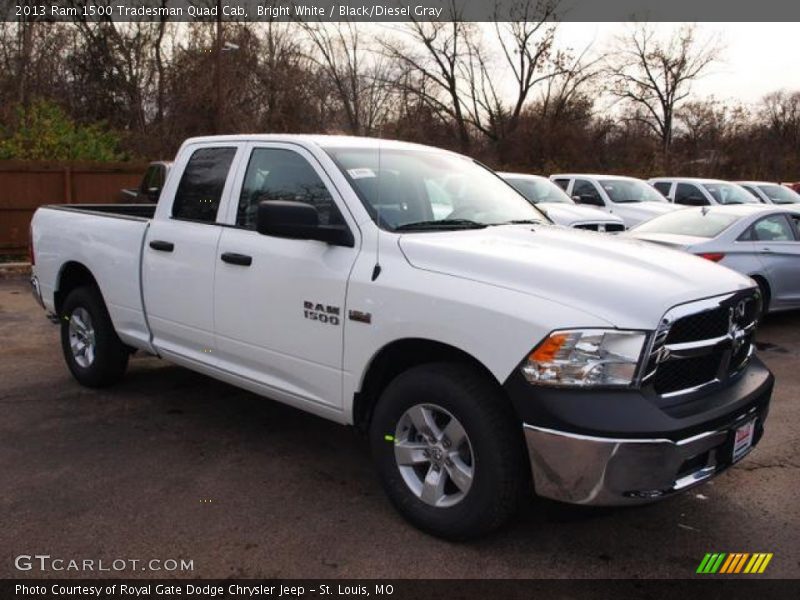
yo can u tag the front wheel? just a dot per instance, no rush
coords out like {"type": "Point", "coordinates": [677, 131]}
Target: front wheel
{"type": "Point", "coordinates": [449, 450]}
{"type": "Point", "coordinates": [95, 355]}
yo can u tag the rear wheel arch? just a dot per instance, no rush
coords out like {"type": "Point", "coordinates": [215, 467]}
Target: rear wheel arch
{"type": "Point", "coordinates": [72, 275]}
{"type": "Point", "coordinates": [400, 356]}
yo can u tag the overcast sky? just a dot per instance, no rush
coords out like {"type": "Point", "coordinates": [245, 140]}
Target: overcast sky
{"type": "Point", "coordinates": [757, 58]}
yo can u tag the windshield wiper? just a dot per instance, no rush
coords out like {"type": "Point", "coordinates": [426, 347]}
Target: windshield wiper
{"type": "Point", "coordinates": [522, 222]}
{"type": "Point", "coordinates": [440, 224]}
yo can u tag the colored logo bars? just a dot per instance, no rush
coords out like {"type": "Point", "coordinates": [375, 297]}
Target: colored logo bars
{"type": "Point", "coordinates": [736, 562]}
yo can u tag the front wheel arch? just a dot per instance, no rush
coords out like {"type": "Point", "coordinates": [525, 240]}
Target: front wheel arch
{"type": "Point", "coordinates": [400, 356]}
{"type": "Point", "coordinates": [766, 292]}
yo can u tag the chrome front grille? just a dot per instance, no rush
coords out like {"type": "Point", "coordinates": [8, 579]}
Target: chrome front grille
{"type": "Point", "coordinates": [702, 343]}
{"type": "Point", "coordinates": [607, 227]}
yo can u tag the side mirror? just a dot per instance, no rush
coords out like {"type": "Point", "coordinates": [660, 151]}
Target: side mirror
{"type": "Point", "coordinates": [577, 199]}
{"type": "Point", "coordinates": [299, 221]}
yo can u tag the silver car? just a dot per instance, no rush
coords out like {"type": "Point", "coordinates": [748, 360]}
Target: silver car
{"type": "Point", "coordinates": [761, 240]}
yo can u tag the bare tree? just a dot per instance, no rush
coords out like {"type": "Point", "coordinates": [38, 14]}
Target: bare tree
{"type": "Point", "coordinates": [462, 74]}
{"type": "Point", "coordinates": [526, 42]}
{"type": "Point", "coordinates": [653, 75]}
{"type": "Point", "coordinates": [357, 76]}
{"type": "Point", "coordinates": [435, 65]}
{"type": "Point", "coordinates": [781, 112]}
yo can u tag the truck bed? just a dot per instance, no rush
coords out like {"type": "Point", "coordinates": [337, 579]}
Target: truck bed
{"type": "Point", "coordinates": [122, 211]}
{"type": "Point", "coordinates": [105, 238]}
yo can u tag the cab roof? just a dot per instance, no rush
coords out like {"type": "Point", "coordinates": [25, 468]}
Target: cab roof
{"type": "Point", "coordinates": [319, 140]}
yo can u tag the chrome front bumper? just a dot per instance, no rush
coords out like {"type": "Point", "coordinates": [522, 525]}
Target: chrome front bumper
{"type": "Point", "coordinates": [600, 471]}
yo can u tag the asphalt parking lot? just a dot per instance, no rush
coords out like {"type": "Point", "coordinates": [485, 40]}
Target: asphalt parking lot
{"type": "Point", "coordinates": [170, 464]}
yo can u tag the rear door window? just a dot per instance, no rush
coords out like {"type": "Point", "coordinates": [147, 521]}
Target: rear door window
{"type": "Point", "coordinates": [203, 180]}
{"type": "Point", "coordinates": [775, 228]}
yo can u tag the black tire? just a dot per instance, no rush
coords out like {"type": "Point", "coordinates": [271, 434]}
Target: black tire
{"type": "Point", "coordinates": [500, 468]}
{"type": "Point", "coordinates": [110, 357]}
{"type": "Point", "coordinates": [763, 288]}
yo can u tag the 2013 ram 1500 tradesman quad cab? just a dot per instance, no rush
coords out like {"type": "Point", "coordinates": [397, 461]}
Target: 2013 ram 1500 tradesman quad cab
{"type": "Point", "coordinates": [481, 347]}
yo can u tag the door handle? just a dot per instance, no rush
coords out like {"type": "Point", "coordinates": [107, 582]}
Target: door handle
{"type": "Point", "coordinates": [237, 259]}
{"type": "Point", "coordinates": [767, 250]}
{"type": "Point", "coordinates": [162, 246]}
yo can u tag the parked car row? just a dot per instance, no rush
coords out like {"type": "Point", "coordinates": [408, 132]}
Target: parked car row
{"type": "Point", "coordinates": [752, 227]}
{"type": "Point", "coordinates": [632, 201]}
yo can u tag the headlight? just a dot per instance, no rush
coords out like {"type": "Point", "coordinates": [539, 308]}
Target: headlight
{"type": "Point", "coordinates": [585, 357]}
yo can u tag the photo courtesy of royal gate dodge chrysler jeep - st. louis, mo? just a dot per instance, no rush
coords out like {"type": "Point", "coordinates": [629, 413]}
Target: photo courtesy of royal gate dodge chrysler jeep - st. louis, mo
{"type": "Point", "coordinates": [486, 352]}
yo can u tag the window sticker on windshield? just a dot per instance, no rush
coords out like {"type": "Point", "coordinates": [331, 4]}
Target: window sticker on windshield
{"type": "Point", "coordinates": [361, 173]}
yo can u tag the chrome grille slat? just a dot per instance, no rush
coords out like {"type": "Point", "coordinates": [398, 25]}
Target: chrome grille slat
{"type": "Point", "coordinates": [677, 364]}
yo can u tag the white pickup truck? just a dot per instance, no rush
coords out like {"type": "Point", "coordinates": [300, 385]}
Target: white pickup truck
{"type": "Point", "coordinates": [482, 351]}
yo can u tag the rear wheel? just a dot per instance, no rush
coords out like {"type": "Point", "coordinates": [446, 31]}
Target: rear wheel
{"type": "Point", "coordinates": [449, 450]}
{"type": "Point", "coordinates": [94, 354]}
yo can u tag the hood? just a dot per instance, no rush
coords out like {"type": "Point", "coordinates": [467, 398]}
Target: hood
{"type": "Point", "coordinates": [647, 209]}
{"type": "Point", "coordinates": [626, 282]}
{"type": "Point", "coordinates": [567, 214]}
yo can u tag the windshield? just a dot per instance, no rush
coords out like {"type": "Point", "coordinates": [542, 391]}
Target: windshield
{"type": "Point", "coordinates": [630, 190]}
{"type": "Point", "coordinates": [728, 193]}
{"type": "Point", "coordinates": [539, 190]}
{"type": "Point", "coordinates": [694, 222]}
{"type": "Point", "coordinates": [780, 194]}
{"type": "Point", "coordinates": [420, 189]}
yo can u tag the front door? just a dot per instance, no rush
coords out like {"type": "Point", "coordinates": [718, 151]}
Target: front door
{"type": "Point", "coordinates": [279, 302]}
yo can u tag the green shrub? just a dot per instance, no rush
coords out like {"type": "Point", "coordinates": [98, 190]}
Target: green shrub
{"type": "Point", "coordinates": [44, 131]}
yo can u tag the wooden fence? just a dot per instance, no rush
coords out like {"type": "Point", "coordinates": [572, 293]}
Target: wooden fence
{"type": "Point", "coordinates": [26, 185]}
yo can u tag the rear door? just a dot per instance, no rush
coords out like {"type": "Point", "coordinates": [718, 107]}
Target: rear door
{"type": "Point", "coordinates": [776, 241]}
{"type": "Point", "coordinates": [279, 306]}
{"type": "Point", "coordinates": [180, 253]}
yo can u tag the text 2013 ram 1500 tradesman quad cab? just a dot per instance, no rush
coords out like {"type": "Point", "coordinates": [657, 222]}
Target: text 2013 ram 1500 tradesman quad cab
{"type": "Point", "coordinates": [481, 347]}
